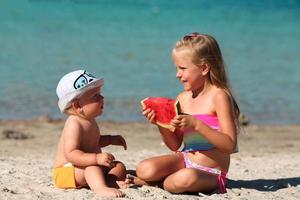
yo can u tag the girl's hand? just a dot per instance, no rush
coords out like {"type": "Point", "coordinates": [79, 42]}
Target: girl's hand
{"type": "Point", "coordinates": [118, 140]}
{"type": "Point", "coordinates": [184, 121]}
{"type": "Point", "coordinates": [150, 115]}
{"type": "Point", "coordinates": [105, 159]}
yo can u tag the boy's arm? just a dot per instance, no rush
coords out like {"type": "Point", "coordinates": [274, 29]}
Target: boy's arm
{"type": "Point", "coordinates": [104, 140]}
{"type": "Point", "coordinates": [72, 135]}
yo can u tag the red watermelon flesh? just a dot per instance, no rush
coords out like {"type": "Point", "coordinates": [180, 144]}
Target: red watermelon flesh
{"type": "Point", "coordinates": [165, 110]}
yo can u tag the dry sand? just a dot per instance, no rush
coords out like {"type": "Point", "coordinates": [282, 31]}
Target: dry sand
{"type": "Point", "coordinates": [267, 166]}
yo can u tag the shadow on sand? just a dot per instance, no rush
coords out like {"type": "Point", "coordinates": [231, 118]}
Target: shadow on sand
{"type": "Point", "coordinates": [266, 185]}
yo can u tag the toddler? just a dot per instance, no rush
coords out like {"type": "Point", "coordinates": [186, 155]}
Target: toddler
{"type": "Point", "coordinates": [79, 161]}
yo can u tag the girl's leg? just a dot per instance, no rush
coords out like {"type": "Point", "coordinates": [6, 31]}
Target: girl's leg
{"type": "Point", "coordinates": [94, 177]}
{"type": "Point", "coordinates": [157, 168]}
{"type": "Point", "coordinates": [190, 180]}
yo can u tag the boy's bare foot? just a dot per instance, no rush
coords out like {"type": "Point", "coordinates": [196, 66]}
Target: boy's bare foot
{"type": "Point", "coordinates": [109, 192]}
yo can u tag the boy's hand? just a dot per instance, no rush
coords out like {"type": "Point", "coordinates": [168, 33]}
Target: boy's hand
{"type": "Point", "coordinates": [184, 121]}
{"type": "Point", "coordinates": [150, 115]}
{"type": "Point", "coordinates": [118, 140]}
{"type": "Point", "coordinates": [105, 159]}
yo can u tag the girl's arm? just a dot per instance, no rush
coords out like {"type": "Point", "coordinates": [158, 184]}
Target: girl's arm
{"type": "Point", "coordinates": [173, 140]}
{"type": "Point", "coordinates": [225, 139]}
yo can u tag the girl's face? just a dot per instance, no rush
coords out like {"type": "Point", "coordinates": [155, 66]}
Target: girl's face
{"type": "Point", "coordinates": [92, 103]}
{"type": "Point", "coordinates": [190, 75]}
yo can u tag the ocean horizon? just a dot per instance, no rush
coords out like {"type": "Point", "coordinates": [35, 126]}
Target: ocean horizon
{"type": "Point", "coordinates": [129, 43]}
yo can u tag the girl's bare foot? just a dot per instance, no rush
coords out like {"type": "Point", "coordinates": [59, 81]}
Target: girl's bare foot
{"type": "Point", "coordinates": [125, 184]}
{"type": "Point", "coordinates": [135, 180]}
{"type": "Point", "coordinates": [109, 192]}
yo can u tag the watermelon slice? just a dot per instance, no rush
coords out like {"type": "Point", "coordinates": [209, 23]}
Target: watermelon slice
{"type": "Point", "coordinates": [165, 110]}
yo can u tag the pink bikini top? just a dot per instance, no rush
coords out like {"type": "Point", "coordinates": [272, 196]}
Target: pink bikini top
{"type": "Point", "coordinates": [194, 141]}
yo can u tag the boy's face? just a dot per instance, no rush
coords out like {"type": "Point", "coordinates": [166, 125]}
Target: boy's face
{"type": "Point", "coordinates": [92, 103]}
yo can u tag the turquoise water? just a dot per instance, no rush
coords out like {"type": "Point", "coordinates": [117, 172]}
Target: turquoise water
{"type": "Point", "coordinates": [128, 42]}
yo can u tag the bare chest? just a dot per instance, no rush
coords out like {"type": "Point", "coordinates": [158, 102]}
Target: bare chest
{"type": "Point", "coordinates": [198, 106]}
{"type": "Point", "coordinates": [90, 140]}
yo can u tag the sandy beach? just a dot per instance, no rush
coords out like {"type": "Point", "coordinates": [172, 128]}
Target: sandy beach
{"type": "Point", "coordinates": [267, 166]}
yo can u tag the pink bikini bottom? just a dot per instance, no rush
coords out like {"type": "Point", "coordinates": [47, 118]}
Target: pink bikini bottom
{"type": "Point", "coordinates": [221, 174]}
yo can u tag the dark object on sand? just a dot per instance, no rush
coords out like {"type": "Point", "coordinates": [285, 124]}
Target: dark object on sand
{"type": "Point", "coordinates": [15, 135]}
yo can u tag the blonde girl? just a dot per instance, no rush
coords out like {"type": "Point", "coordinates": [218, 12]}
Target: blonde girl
{"type": "Point", "coordinates": [208, 128]}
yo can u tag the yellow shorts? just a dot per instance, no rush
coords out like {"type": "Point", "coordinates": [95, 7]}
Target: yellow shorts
{"type": "Point", "coordinates": [64, 177]}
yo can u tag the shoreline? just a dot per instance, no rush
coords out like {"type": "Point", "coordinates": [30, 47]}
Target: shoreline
{"type": "Point", "coordinates": [266, 167]}
{"type": "Point", "coordinates": [47, 119]}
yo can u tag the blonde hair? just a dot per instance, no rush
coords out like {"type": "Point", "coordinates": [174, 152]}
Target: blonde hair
{"type": "Point", "coordinates": [205, 49]}
{"type": "Point", "coordinates": [69, 111]}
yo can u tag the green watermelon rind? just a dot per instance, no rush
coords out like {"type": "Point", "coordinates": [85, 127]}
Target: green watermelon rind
{"type": "Point", "coordinates": [176, 109]}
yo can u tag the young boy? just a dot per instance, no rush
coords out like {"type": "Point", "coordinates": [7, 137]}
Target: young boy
{"type": "Point", "coordinates": [79, 160]}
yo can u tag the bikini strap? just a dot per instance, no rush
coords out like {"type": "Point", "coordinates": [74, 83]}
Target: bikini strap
{"type": "Point", "coordinates": [222, 181]}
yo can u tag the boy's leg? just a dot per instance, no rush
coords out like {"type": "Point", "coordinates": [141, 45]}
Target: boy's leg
{"type": "Point", "coordinates": [94, 177]}
{"type": "Point", "coordinates": [116, 176]}
{"type": "Point", "coordinates": [157, 168]}
{"type": "Point", "coordinates": [190, 180]}
{"type": "Point", "coordinates": [80, 177]}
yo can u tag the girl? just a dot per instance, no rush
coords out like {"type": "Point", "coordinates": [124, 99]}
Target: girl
{"type": "Point", "coordinates": [208, 128]}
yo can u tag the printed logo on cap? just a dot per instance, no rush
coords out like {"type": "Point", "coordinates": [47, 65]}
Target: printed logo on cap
{"type": "Point", "coordinates": [83, 80]}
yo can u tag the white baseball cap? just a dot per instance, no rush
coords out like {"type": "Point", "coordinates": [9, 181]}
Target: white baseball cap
{"type": "Point", "coordinates": [73, 85]}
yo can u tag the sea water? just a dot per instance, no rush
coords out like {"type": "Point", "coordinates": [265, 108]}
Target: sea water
{"type": "Point", "coordinates": [128, 42]}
